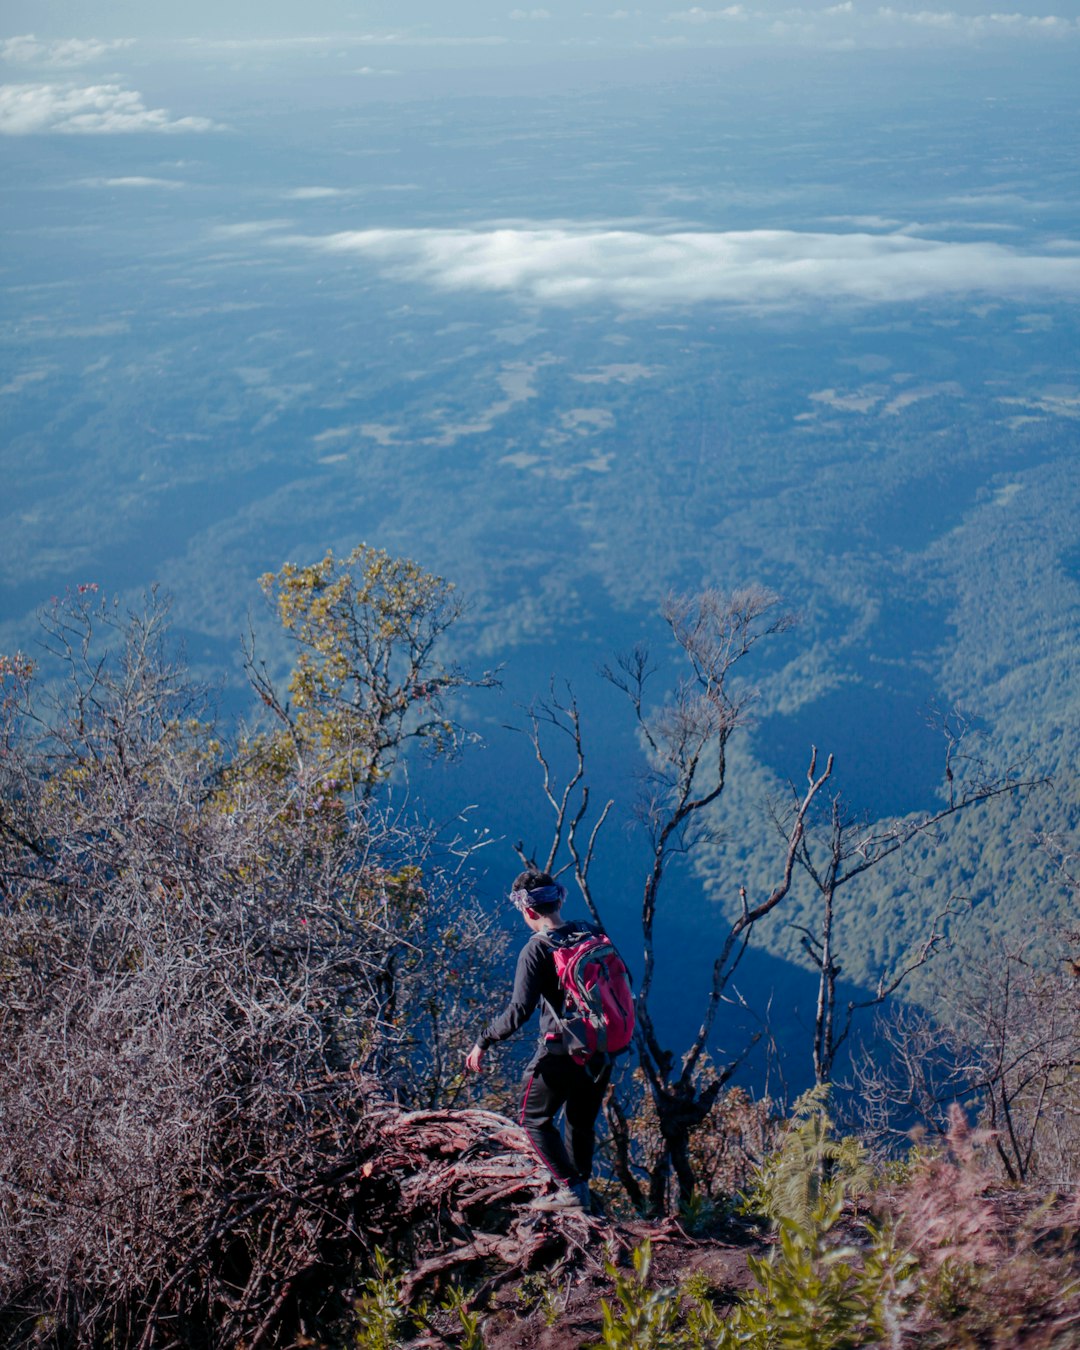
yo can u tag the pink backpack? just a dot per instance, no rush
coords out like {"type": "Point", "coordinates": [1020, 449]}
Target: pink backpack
{"type": "Point", "coordinates": [598, 1009]}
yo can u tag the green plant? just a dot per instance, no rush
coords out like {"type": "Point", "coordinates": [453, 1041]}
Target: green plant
{"type": "Point", "coordinates": [816, 1293]}
{"type": "Point", "coordinates": [699, 1213]}
{"type": "Point", "coordinates": [901, 1171]}
{"type": "Point", "coordinates": [810, 1168]}
{"type": "Point", "coordinates": [536, 1293]}
{"type": "Point", "coordinates": [887, 1282]}
{"type": "Point", "coordinates": [639, 1318]}
{"type": "Point", "coordinates": [457, 1302]}
{"type": "Point", "coordinates": [703, 1328]}
{"type": "Point", "coordinates": [379, 1313]}
{"type": "Point", "coordinates": [816, 1290]}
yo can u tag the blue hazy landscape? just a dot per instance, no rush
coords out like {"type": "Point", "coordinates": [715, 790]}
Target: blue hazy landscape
{"type": "Point", "coordinates": [577, 309]}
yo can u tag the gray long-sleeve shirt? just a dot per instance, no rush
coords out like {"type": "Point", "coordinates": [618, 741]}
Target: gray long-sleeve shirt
{"type": "Point", "coordinates": [535, 981]}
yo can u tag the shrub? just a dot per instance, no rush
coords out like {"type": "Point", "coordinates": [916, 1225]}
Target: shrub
{"type": "Point", "coordinates": [207, 965]}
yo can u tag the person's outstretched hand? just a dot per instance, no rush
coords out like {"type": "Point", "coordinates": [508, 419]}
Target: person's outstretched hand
{"type": "Point", "coordinates": [474, 1060]}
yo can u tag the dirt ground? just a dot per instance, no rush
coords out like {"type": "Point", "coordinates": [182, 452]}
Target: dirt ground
{"type": "Point", "coordinates": [569, 1317]}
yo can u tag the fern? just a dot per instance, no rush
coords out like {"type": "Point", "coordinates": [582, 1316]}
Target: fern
{"type": "Point", "coordinates": [815, 1293]}
{"type": "Point", "coordinates": [810, 1168]}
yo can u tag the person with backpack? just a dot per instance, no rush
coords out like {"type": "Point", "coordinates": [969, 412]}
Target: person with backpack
{"type": "Point", "coordinates": [578, 979]}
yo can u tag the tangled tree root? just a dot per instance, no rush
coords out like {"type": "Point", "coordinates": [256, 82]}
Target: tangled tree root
{"type": "Point", "coordinates": [464, 1182]}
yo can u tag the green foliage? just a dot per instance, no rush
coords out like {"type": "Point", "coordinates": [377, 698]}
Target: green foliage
{"type": "Point", "coordinates": [699, 1213]}
{"type": "Point", "coordinates": [640, 1318]}
{"type": "Point", "coordinates": [813, 1292]}
{"type": "Point", "coordinates": [381, 1321]}
{"type": "Point", "coordinates": [457, 1302]}
{"type": "Point", "coordinates": [367, 675]}
{"type": "Point", "coordinates": [816, 1293]}
{"type": "Point", "coordinates": [886, 1281]}
{"type": "Point", "coordinates": [703, 1328]}
{"type": "Point", "coordinates": [810, 1168]}
{"type": "Point", "coordinates": [535, 1292]}
{"type": "Point", "coordinates": [816, 1290]}
{"type": "Point", "coordinates": [380, 1317]}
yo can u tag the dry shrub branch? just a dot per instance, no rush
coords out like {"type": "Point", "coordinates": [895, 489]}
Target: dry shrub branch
{"type": "Point", "coordinates": [213, 962]}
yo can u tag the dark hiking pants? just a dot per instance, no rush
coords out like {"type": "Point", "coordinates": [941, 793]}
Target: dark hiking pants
{"type": "Point", "coordinates": [553, 1082]}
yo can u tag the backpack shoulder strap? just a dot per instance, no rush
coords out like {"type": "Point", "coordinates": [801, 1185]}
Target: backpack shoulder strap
{"type": "Point", "coordinates": [569, 935]}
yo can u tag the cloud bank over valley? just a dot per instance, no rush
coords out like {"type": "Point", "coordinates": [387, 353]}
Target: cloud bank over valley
{"type": "Point", "coordinates": [756, 269]}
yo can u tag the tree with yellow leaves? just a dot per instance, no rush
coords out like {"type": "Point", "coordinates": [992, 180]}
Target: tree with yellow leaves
{"type": "Point", "coordinates": [368, 676]}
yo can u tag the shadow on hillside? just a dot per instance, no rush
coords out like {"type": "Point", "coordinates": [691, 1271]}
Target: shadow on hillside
{"type": "Point", "coordinates": [780, 999]}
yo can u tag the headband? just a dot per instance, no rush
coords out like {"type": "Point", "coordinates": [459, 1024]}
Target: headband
{"type": "Point", "coordinates": [544, 897]}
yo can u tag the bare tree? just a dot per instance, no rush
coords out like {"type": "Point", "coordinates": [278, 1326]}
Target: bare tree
{"type": "Point", "coordinates": [1005, 1043]}
{"type": "Point", "coordinates": [839, 848]}
{"type": "Point", "coordinates": [1016, 1032]}
{"type": "Point", "coordinates": [685, 737]}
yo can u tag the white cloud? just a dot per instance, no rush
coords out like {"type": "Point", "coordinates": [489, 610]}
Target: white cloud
{"type": "Point", "coordinates": [32, 51]}
{"type": "Point", "coordinates": [758, 269]}
{"type": "Point", "coordinates": [893, 225]}
{"type": "Point", "coordinates": [26, 109]}
{"type": "Point", "coordinates": [410, 39]}
{"type": "Point", "coordinates": [134, 182]}
{"type": "Point", "coordinates": [865, 222]}
{"type": "Point", "coordinates": [520, 14]}
{"type": "Point", "coordinates": [1047, 24]}
{"type": "Point", "coordinates": [27, 377]}
{"type": "Point", "coordinates": [337, 42]}
{"type": "Point", "coordinates": [844, 23]}
{"type": "Point", "coordinates": [249, 229]}
{"type": "Point", "coordinates": [699, 15]}
{"type": "Point", "coordinates": [969, 226]}
{"type": "Point", "coordinates": [312, 194]}
{"type": "Point", "coordinates": [924, 18]}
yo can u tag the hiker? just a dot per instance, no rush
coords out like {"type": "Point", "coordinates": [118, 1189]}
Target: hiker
{"type": "Point", "coordinates": [567, 1071]}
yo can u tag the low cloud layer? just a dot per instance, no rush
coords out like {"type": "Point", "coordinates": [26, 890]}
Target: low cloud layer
{"type": "Point", "coordinates": [759, 269]}
{"type": "Point", "coordinates": [29, 50]}
{"type": "Point", "coordinates": [135, 181]}
{"type": "Point", "coordinates": [313, 194]}
{"type": "Point", "coordinates": [846, 22]}
{"type": "Point", "coordinates": [28, 109]}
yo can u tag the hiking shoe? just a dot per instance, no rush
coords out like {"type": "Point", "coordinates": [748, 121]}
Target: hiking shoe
{"type": "Point", "coordinates": [567, 1199]}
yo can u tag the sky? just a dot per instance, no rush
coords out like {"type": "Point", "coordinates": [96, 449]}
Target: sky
{"type": "Point", "coordinates": [655, 24]}
{"type": "Point", "coordinates": [96, 70]}
{"type": "Point", "coordinates": [118, 66]}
